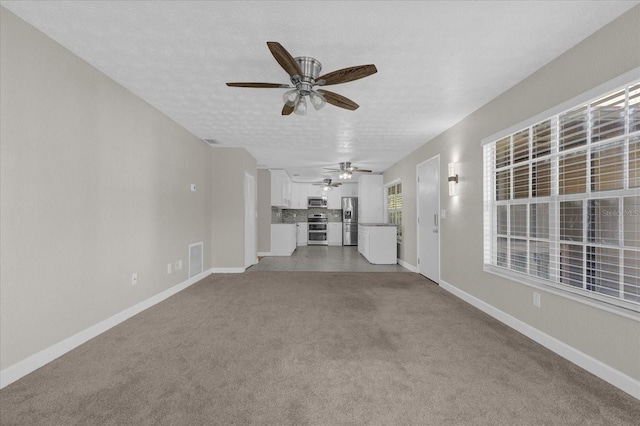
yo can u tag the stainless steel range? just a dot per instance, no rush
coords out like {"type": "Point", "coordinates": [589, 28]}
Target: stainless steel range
{"type": "Point", "coordinates": [317, 224]}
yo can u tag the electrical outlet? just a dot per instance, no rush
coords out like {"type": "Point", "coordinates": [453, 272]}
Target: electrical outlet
{"type": "Point", "coordinates": [536, 300]}
{"type": "Point", "coordinates": [180, 264]}
{"type": "Point", "coordinates": [193, 187]}
{"type": "Point", "coordinates": [168, 268]}
{"type": "Point", "coordinates": [134, 278]}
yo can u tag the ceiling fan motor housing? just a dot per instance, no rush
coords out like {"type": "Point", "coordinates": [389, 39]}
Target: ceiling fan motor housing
{"type": "Point", "coordinates": [310, 68]}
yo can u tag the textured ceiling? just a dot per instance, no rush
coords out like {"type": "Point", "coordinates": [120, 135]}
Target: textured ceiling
{"type": "Point", "coordinates": [437, 62]}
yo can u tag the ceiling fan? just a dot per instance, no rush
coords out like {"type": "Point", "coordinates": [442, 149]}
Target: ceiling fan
{"type": "Point", "coordinates": [346, 170]}
{"type": "Point", "coordinates": [304, 73]}
{"type": "Point", "coordinates": [327, 185]}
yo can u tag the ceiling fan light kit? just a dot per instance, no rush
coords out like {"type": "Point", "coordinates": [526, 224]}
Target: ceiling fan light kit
{"type": "Point", "coordinates": [301, 106]}
{"type": "Point", "coordinates": [291, 97]}
{"type": "Point", "coordinates": [304, 73]}
{"type": "Point", "coordinates": [327, 185]}
{"type": "Point", "coordinates": [346, 170]}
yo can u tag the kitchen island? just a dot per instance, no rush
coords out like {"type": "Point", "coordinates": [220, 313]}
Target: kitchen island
{"type": "Point", "coordinates": [283, 239]}
{"type": "Point", "coordinates": [377, 242]}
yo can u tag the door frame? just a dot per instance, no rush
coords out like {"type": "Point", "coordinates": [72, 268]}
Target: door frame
{"type": "Point", "coordinates": [250, 221]}
{"type": "Point", "coordinates": [418, 166]}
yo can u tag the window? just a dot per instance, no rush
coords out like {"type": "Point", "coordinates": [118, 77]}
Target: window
{"type": "Point", "coordinates": [562, 200]}
{"type": "Point", "coordinates": [394, 206]}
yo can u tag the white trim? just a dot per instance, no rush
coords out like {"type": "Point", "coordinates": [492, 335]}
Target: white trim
{"type": "Point", "coordinates": [264, 253]}
{"type": "Point", "coordinates": [597, 91]}
{"type": "Point", "coordinates": [407, 265]}
{"type": "Point", "coordinates": [228, 270]}
{"type": "Point", "coordinates": [45, 356]}
{"type": "Point", "coordinates": [598, 368]}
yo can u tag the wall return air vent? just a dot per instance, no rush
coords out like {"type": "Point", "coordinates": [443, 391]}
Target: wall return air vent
{"type": "Point", "coordinates": [195, 259]}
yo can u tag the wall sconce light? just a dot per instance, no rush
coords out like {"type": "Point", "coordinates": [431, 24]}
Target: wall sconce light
{"type": "Point", "coordinates": [453, 179]}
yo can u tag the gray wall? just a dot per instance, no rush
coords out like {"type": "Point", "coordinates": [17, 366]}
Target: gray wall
{"type": "Point", "coordinates": [94, 186]}
{"type": "Point", "coordinates": [605, 336]}
{"type": "Point", "coordinates": [229, 166]}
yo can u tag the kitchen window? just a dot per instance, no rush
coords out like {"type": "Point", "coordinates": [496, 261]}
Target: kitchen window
{"type": "Point", "coordinates": [562, 200]}
{"type": "Point", "coordinates": [394, 206]}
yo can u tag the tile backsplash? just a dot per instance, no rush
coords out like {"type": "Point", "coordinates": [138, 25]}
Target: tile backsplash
{"type": "Point", "coordinates": [280, 215]}
{"type": "Point", "coordinates": [276, 215]}
{"type": "Point", "coordinates": [295, 215]}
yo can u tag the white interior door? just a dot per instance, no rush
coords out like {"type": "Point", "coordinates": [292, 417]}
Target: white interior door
{"type": "Point", "coordinates": [428, 188]}
{"type": "Point", "coordinates": [250, 221]}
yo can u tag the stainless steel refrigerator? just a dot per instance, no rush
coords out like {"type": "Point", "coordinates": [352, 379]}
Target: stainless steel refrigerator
{"type": "Point", "coordinates": [349, 221]}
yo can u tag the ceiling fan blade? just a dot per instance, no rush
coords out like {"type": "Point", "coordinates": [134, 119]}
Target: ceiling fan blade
{"type": "Point", "coordinates": [284, 58]}
{"type": "Point", "coordinates": [339, 100]}
{"type": "Point", "coordinates": [355, 169]}
{"type": "Point", "coordinates": [348, 74]}
{"type": "Point", "coordinates": [260, 85]}
{"type": "Point", "coordinates": [286, 109]}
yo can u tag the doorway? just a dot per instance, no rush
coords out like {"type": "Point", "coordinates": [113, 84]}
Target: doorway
{"type": "Point", "coordinates": [428, 196]}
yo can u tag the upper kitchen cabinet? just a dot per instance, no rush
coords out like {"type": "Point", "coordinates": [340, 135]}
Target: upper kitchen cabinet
{"type": "Point", "coordinates": [299, 195]}
{"type": "Point", "coordinates": [370, 199]}
{"type": "Point", "coordinates": [349, 189]}
{"type": "Point", "coordinates": [280, 189]}
{"type": "Point", "coordinates": [316, 190]}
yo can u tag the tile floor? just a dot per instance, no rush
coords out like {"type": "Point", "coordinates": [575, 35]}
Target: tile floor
{"type": "Point", "coordinates": [323, 258]}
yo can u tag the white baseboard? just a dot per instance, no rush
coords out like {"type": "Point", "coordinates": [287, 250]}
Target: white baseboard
{"type": "Point", "coordinates": [264, 253]}
{"type": "Point", "coordinates": [592, 365]}
{"type": "Point", "coordinates": [407, 266]}
{"type": "Point", "coordinates": [45, 356]}
{"type": "Point", "coordinates": [228, 270]}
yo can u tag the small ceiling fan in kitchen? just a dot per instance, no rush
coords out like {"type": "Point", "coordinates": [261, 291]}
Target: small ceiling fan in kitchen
{"type": "Point", "coordinates": [304, 73]}
{"type": "Point", "coordinates": [346, 170]}
{"type": "Point", "coordinates": [327, 185]}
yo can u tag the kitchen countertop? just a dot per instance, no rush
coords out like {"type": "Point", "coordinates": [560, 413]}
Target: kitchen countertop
{"type": "Point", "coordinates": [377, 224]}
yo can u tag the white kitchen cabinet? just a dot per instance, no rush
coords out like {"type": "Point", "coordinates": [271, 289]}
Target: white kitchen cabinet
{"type": "Point", "coordinates": [370, 199]}
{"type": "Point", "coordinates": [302, 235]}
{"type": "Point", "coordinates": [334, 198]}
{"type": "Point", "coordinates": [280, 189]}
{"type": "Point", "coordinates": [316, 190]}
{"type": "Point", "coordinates": [378, 244]}
{"type": "Point", "coordinates": [361, 241]}
{"type": "Point", "coordinates": [349, 189]}
{"type": "Point", "coordinates": [334, 233]}
{"type": "Point", "coordinates": [299, 196]}
{"type": "Point", "coordinates": [283, 239]}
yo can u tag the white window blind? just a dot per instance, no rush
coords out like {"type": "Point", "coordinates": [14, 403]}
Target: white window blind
{"type": "Point", "coordinates": [394, 205]}
{"type": "Point", "coordinates": [562, 200]}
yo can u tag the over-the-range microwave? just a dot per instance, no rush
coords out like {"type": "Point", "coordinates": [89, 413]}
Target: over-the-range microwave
{"type": "Point", "coordinates": [317, 202]}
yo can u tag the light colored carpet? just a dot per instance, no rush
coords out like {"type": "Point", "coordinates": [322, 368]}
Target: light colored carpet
{"type": "Point", "coordinates": [323, 348]}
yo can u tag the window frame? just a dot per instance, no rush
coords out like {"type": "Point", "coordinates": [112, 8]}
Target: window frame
{"type": "Point", "coordinates": [386, 187]}
{"type": "Point", "coordinates": [490, 203]}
